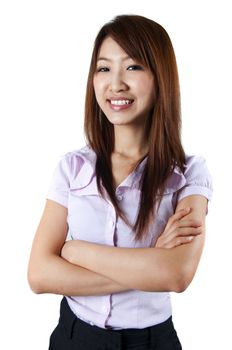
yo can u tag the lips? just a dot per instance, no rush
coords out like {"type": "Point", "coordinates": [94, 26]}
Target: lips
{"type": "Point", "coordinates": [120, 105]}
{"type": "Point", "coordinates": [120, 102]}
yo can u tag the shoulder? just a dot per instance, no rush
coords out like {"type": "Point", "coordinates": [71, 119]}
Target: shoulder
{"type": "Point", "coordinates": [79, 156]}
{"type": "Point", "coordinates": [76, 168]}
{"type": "Point", "coordinates": [73, 171]}
{"type": "Point", "coordinates": [197, 172]}
{"type": "Point", "coordinates": [197, 177]}
{"type": "Point", "coordinates": [196, 164]}
{"type": "Point", "coordinates": [71, 163]}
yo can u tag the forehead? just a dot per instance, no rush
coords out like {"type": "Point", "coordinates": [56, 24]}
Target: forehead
{"type": "Point", "coordinates": [111, 50]}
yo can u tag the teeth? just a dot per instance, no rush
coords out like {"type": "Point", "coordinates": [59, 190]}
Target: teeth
{"type": "Point", "coordinates": [120, 102]}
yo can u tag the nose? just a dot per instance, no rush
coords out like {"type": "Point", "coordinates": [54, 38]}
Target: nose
{"type": "Point", "coordinates": [118, 83]}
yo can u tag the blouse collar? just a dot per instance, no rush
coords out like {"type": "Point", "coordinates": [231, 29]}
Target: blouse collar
{"type": "Point", "coordinates": [85, 180]}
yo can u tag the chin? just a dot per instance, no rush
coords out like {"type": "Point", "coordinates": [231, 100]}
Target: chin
{"type": "Point", "coordinates": [119, 121]}
{"type": "Point", "coordinates": [116, 120]}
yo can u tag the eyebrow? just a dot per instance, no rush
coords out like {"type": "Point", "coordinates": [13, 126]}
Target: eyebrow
{"type": "Point", "coordinates": [109, 60]}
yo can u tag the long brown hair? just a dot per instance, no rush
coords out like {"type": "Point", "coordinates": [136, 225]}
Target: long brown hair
{"type": "Point", "coordinates": [147, 42]}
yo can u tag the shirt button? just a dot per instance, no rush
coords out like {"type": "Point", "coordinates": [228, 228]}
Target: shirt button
{"type": "Point", "coordinates": [119, 197]}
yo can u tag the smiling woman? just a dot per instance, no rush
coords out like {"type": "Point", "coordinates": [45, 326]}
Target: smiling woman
{"type": "Point", "coordinates": [124, 90]}
{"type": "Point", "coordinates": [131, 201]}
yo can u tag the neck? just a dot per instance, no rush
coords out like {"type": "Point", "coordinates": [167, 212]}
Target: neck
{"type": "Point", "coordinates": [130, 142]}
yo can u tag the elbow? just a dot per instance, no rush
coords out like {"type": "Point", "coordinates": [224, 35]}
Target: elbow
{"type": "Point", "coordinates": [36, 288]}
{"type": "Point", "coordinates": [35, 283]}
{"type": "Point", "coordinates": [36, 280]}
{"type": "Point", "coordinates": [182, 280]}
{"type": "Point", "coordinates": [180, 287]}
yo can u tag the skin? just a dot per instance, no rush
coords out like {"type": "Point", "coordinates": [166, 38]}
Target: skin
{"type": "Point", "coordinates": [119, 76]}
{"type": "Point", "coordinates": [155, 269]}
{"type": "Point", "coordinates": [83, 268]}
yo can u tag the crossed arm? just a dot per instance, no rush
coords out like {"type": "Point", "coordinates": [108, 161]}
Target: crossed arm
{"type": "Point", "coordinates": [83, 268]}
{"type": "Point", "coordinates": [48, 272]}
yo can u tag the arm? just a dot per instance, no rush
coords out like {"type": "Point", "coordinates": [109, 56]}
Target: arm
{"type": "Point", "coordinates": [49, 273]}
{"type": "Point", "coordinates": [148, 269]}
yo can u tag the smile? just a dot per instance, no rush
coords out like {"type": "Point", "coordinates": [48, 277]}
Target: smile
{"type": "Point", "coordinates": [120, 105]}
{"type": "Point", "coordinates": [120, 102]}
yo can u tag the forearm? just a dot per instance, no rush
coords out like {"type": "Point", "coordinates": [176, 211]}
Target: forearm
{"type": "Point", "coordinates": [148, 269]}
{"type": "Point", "coordinates": [55, 275]}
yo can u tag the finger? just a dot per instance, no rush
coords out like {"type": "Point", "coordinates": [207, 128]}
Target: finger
{"type": "Point", "coordinates": [186, 231]}
{"type": "Point", "coordinates": [181, 234]}
{"type": "Point", "coordinates": [177, 241]}
{"type": "Point", "coordinates": [177, 216]}
{"type": "Point", "coordinates": [178, 228]}
{"type": "Point", "coordinates": [190, 223]}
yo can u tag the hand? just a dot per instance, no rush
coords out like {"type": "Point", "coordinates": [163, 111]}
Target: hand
{"type": "Point", "coordinates": [179, 231]}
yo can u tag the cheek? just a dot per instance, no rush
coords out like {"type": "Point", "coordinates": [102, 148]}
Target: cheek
{"type": "Point", "coordinates": [145, 88]}
{"type": "Point", "coordinates": [95, 86]}
{"type": "Point", "coordinates": [149, 92]}
{"type": "Point", "coordinates": [148, 95]}
{"type": "Point", "coordinates": [99, 88]}
{"type": "Point", "coordinates": [97, 92]}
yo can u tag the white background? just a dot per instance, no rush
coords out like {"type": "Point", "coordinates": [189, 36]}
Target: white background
{"type": "Point", "coordinates": [45, 52]}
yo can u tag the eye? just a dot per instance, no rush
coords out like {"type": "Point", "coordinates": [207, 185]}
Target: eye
{"type": "Point", "coordinates": [102, 69]}
{"type": "Point", "coordinates": [135, 67]}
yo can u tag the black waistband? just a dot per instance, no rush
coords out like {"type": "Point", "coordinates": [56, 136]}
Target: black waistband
{"type": "Point", "coordinates": [77, 328]}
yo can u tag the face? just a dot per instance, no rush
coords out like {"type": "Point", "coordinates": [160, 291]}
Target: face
{"type": "Point", "coordinates": [124, 89]}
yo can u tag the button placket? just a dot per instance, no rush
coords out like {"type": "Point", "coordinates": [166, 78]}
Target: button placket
{"type": "Point", "coordinates": [110, 224]}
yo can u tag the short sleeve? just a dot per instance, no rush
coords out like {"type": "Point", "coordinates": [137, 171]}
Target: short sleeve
{"type": "Point", "coordinates": [198, 178]}
{"type": "Point", "coordinates": [60, 183]}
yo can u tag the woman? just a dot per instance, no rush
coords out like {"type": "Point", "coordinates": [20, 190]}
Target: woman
{"type": "Point", "coordinates": [133, 204]}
